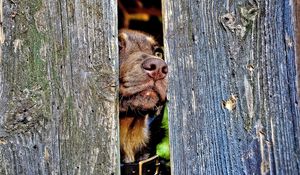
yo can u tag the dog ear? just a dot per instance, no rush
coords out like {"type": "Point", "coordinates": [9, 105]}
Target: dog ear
{"type": "Point", "coordinates": [122, 40]}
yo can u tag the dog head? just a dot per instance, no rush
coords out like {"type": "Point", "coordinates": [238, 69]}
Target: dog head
{"type": "Point", "coordinates": [143, 71]}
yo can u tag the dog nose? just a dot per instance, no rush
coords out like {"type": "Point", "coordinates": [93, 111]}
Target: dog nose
{"type": "Point", "coordinates": [155, 68]}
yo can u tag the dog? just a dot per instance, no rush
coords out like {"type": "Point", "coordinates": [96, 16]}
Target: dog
{"type": "Point", "coordinates": [142, 96]}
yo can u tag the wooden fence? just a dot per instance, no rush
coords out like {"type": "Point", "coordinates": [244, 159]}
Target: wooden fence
{"type": "Point", "coordinates": [232, 87]}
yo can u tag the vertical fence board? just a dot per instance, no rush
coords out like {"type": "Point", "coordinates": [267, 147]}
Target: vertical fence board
{"type": "Point", "coordinates": [297, 30]}
{"type": "Point", "coordinates": [232, 91]}
{"type": "Point", "coordinates": [58, 80]}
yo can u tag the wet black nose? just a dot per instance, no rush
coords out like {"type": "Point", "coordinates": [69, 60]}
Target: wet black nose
{"type": "Point", "coordinates": [155, 68]}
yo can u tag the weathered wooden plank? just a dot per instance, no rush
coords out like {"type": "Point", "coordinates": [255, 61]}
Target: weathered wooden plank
{"type": "Point", "coordinates": [297, 30]}
{"type": "Point", "coordinates": [58, 77]}
{"type": "Point", "coordinates": [232, 91]}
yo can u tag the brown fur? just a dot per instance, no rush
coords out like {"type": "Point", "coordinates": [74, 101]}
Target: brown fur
{"type": "Point", "coordinates": [132, 139]}
{"type": "Point", "coordinates": [139, 92]}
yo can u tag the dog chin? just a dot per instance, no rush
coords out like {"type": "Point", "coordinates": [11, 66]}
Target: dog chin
{"type": "Point", "coordinates": [146, 100]}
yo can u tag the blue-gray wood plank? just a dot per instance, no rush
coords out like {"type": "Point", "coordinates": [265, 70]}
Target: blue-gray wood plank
{"type": "Point", "coordinates": [297, 14]}
{"type": "Point", "coordinates": [241, 52]}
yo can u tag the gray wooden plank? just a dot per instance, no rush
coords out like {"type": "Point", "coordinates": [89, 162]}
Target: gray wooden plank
{"type": "Point", "coordinates": [58, 80]}
{"type": "Point", "coordinates": [297, 32]}
{"type": "Point", "coordinates": [232, 91]}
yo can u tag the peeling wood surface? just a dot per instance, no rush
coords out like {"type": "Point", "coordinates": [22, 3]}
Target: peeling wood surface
{"type": "Point", "coordinates": [58, 79]}
{"type": "Point", "coordinates": [232, 87]}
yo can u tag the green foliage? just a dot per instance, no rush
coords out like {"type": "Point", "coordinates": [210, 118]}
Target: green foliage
{"type": "Point", "coordinates": [163, 148]}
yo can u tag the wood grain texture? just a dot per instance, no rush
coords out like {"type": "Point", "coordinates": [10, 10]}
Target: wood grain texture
{"type": "Point", "coordinates": [58, 80]}
{"type": "Point", "coordinates": [232, 87]}
{"type": "Point", "coordinates": [297, 43]}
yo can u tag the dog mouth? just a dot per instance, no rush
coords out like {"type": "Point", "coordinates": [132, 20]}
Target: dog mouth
{"type": "Point", "coordinates": [149, 93]}
{"type": "Point", "coordinates": [144, 100]}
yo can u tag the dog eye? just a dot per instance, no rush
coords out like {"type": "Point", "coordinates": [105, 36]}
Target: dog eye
{"type": "Point", "coordinates": [159, 52]}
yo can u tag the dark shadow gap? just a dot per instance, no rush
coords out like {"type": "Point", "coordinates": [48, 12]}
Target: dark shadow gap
{"type": "Point", "coordinates": [142, 15]}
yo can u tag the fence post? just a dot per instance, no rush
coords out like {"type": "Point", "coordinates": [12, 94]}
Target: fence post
{"type": "Point", "coordinates": [58, 81]}
{"type": "Point", "coordinates": [232, 91]}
